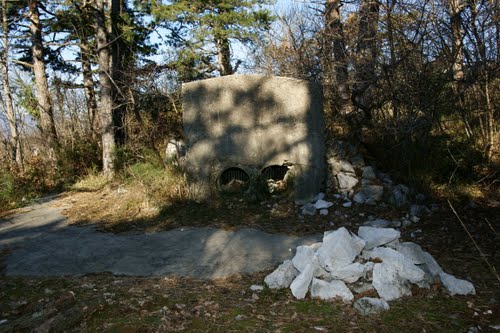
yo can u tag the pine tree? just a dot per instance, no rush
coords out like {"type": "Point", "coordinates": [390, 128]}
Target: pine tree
{"type": "Point", "coordinates": [195, 24]}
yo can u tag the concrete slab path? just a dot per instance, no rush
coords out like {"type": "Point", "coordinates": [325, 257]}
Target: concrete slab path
{"type": "Point", "coordinates": [43, 244]}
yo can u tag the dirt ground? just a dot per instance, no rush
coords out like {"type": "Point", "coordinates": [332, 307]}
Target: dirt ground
{"type": "Point", "coordinates": [108, 303]}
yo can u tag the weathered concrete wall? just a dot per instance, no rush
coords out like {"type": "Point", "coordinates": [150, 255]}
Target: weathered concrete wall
{"type": "Point", "coordinates": [254, 121]}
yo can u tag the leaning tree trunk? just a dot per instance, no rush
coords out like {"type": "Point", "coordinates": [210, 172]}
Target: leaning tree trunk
{"type": "Point", "coordinates": [366, 57]}
{"type": "Point", "coordinates": [14, 140]}
{"type": "Point", "coordinates": [106, 109]}
{"type": "Point", "coordinates": [47, 124]}
{"type": "Point", "coordinates": [88, 86]}
{"type": "Point", "coordinates": [224, 56]}
{"type": "Point", "coordinates": [335, 46]}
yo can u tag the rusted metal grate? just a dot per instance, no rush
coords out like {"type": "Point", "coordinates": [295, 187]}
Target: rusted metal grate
{"type": "Point", "coordinates": [275, 172]}
{"type": "Point", "coordinates": [232, 175]}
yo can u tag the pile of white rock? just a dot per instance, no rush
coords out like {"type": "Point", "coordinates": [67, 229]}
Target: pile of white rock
{"type": "Point", "coordinates": [344, 264]}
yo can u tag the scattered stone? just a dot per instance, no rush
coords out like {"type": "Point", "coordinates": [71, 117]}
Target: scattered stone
{"type": "Point", "coordinates": [309, 209]}
{"type": "Point", "coordinates": [329, 290]}
{"type": "Point", "coordinates": [323, 212]}
{"type": "Point", "coordinates": [362, 288]}
{"type": "Point", "coordinates": [399, 195]}
{"type": "Point", "coordinates": [369, 173]}
{"type": "Point", "coordinates": [347, 204]}
{"type": "Point", "coordinates": [337, 250]}
{"type": "Point", "coordinates": [378, 223]}
{"type": "Point", "coordinates": [256, 287]}
{"type": "Point", "coordinates": [358, 161]}
{"type": "Point", "coordinates": [369, 194]}
{"type": "Point", "coordinates": [456, 286]}
{"type": "Point", "coordinates": [414, 219]}
{"type": "Point", "coordinates": [368, 305]}
{"type": "Point", "coordinates": [346, 181]}
{"type": "Point", "coordinates": [419, 210]}
{"type": "Point", "coordinates": [405, 223]}
{"type": "Point", "coordinates": [322, 204]}
{"type": "Point", "coordinates": [405, 268]}
{"type": "Point", "coordinates": [319, 196]}
{"type": "Point", "coordinates": [300, 285]}
{"type": "Point", "coordinates": [282, 276]}
{"type": "Point", "coordinates": [346, 167]}
{"type": "Point", "coordinates": [377, 236]}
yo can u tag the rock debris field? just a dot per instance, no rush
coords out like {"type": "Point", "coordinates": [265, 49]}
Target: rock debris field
{"type": "Point", "coordinates": [344, 264]}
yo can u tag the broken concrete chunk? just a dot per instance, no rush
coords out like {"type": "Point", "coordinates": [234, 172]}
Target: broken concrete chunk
{"type": "Point", "coordinates": [350, 273]}
{"type": "Point", "coordinates": [282, 276]}
{"type": "Point", "coordinates": [337, 250]}
{"type": "Point", "coordinates": [300, 285]}
{"type": "Point", "coordinates": [322, 204]}
{"type": "Point", "coordinates": [456, 286]}
{"type": "Point", "coordinates": [369, 305]}
{"type": "Point", "coordinates": [377, 236]}
{"type": "Point", "coordinates": [346, 181]}
{"type": "Point", "coordinates": [330, 290]}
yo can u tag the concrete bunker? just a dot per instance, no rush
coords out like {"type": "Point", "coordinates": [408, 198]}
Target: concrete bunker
{"type": "Point", "coordinates": [254, 125]}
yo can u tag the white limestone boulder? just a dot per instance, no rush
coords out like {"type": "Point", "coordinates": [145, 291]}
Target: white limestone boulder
{"type": "Point", "coordinates": [387, 282]}
{"type": "Point", "coordinates": [282, 276]}
{"type": "Point", "coordinates": [350, 273]}
{"type": "Point", "coordinates": [392, 277]}
{"type": "Point", "coordinates": [300, 285]}
{"type": "Point", "coordinates": [346, 181]}
{"type": "Point", "coordinates": [337, 250]}
{"type": "Point", "coordinates": [377, 236]}
{"type": "Point", "coordinates": [304, 255]}
{"type": "Point", "coordinates": [330, 290]}
{"type": "Point", "coordinates": [405, 268]}
{"type": "Point", "coordinates": [456, 286]}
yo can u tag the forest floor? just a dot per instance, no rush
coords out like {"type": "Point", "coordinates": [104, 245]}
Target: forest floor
{"type": "Point", "coordinates": [109, 303]}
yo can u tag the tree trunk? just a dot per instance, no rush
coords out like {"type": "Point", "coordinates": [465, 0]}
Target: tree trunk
{"type": "Point", "coordinates": [224, 56]}
{"type": "Point", "coordinates": [457, 61]}
{"type": "Point", "coordinates": [119, 55]}
{"type": "Point", "coordinates": [47, 124]}
{"type": "Point", "coordinates": [106, 109]}
{"type": "Point", "coordinates": [88, 86]}
{"type": "Point", "coordinates": [335, 45]}
{"type": "Point", "coordinates": [366, 58]}
{"type": "Point", "coordinates": [14, 140]}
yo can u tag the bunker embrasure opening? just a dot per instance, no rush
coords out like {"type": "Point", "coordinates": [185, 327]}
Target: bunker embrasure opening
{"type": "Point", "coordinates": [233, 179]}
{"type": "Point", "coordinates": [274, 176]}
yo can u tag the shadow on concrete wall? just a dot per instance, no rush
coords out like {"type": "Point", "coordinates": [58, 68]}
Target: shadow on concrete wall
{"type": "Point", "coordinates": [254, 121]}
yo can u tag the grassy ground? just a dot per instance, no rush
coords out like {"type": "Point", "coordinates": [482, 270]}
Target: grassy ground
{"type": "Point", "coordinates": [107, 303]}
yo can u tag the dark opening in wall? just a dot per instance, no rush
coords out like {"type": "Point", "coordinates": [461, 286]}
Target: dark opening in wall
{"type": "Point", "coordinates": [275, 172]}
{"type": "Point", "coordinates": [233, 180]}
